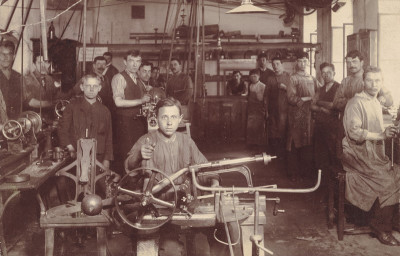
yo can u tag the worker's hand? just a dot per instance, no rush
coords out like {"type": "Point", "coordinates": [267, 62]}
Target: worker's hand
{"type": "Point", "coordinates": [147, 149]}
{"type": "Point", "coordinates": [382, 99]}
{"type": "Point", "coordinates": [71, 151]}
{"type": "Point", "coordinates": [390, 132]}
{"type": "Point", "coordinates": [214, 183]}
{"type": "Point", "coordinates": [326, 111]}
{"type": "Point", "coordinates": [282, 86]}
{"type": "Point", "coordinates": [106, 164]}
{"type": "Point", "coordinates": [145, 98]}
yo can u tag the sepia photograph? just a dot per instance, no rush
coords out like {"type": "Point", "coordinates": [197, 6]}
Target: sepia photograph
{"type": "Point", "coordinates": [199, 128]}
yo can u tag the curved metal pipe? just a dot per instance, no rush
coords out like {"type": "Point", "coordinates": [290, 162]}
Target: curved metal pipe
{"type": "Point", "coordinates": [254, 189]}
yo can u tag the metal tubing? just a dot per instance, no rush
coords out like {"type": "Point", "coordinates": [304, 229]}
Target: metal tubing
{"type": "Point", "coordinates": [254, 189]}
{"type": "Point", "coordinates": [162, 39]}
{"type": "Point", "coordinates": [84, 36]}
{"type": "Point", "coordinates": [43, 29]}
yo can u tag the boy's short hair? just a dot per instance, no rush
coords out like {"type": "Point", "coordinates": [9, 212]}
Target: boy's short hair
{"type": "Point", "coordinates": [371, 69]}
{"type": "Point", "coordinates": [169, 102]}
{"type": "Point", "coordinates": [301, 55]}
{"type": "Point", "coordinates": [146, 63]}
{"type": "Point", "coordinates": [108, 54]}
{"type": "Point", "coordinates": [276, 58]}
{"type": "Point", "coordinates": [176, 59]}
{"type": "Point", "coordinates": [8, 44]}
{"type": "Point", "coordinates": [236, 72]}
{"type": "Point", "coordinates": [133, 53]}
{"type": "Point", "coordinates": [99, 58]}
{"type": "Point", "coordinates": [90, 75]}
{"type": "Point", "coordinates": [262, 55]}
{"type": "Point", "coordinates": [354, 54]}
{"type": "Point", "coordinates": [254, 72]}
{"type": "Point", "coordinates": [326, 64]}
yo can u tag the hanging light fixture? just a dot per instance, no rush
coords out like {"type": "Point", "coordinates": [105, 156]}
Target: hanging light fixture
{"type": "Point", "coordinates": [246, 6]}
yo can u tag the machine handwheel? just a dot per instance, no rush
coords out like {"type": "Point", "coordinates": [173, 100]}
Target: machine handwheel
{"type": "Point", "coordinates": [60, 107]}
{"type": "Point", "coordinates": [136, 203]}
{"type": "Point", "coordinates": [12, 130]}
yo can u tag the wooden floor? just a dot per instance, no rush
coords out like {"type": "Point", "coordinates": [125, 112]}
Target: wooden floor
{"type": "Point", "coordinates": [300, 231]}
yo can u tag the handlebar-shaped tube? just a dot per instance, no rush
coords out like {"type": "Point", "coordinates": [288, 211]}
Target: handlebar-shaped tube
{"type": "Point", "coordinates": [254, 189]}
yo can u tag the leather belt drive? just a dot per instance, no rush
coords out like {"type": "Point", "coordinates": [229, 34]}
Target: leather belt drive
{"type": "Point", "coordinates": [17, 178]}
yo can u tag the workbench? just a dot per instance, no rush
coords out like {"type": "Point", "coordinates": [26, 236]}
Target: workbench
{"type": "Point", "coordinates": [38, 173]}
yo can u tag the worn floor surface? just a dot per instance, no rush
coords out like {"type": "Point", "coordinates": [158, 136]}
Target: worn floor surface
{"type": "Point", "coordinates": [300, 231]}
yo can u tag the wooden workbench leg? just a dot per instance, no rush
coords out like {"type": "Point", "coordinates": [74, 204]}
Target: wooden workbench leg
{"type": "Point", "coordinates": [341, 219]}
{"type": "Point", "coordinates": [49, 241]}
{"type": "Point", "coordinates": [331, 201]}
{"type": "Point", "coordinates": [101, 241]}
{"type": "Point", "coordinates": [3, 246]}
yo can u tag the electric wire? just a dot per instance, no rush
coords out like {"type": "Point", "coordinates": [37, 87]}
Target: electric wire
{"type": "Point", "coordinates": [40, 22]}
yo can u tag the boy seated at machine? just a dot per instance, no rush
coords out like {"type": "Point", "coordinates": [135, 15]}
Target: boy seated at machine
{"type": "Point", "coordinates": [86, 117]}
{"type": "Point", "coordinates": [169, 151]}
{"type": "Point", "coordinates": [166, 149]}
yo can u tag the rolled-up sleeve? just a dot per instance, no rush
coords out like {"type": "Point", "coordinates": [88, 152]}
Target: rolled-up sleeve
{"type": "Point", "coordinates": [118, 85]}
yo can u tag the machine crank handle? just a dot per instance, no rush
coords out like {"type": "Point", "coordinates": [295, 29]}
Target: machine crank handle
{"type": "Point", "coordinates": [256, 239]}
{"type": "Point", "coordinates": [276, 210]}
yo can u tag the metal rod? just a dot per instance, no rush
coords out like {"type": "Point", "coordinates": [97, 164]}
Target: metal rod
{"type": "Point", "coordinates": [196, 57]}
{"type": "Point", "coordinates": [191, 22]}
{"type": "Point", "coordinates": [203, 64]}
{"type": "Point", "coordinates": [43, 24]}
{"type": "Point", "coordinates": [173, 38]}
{"type": "Point", "coordinates": [84, 36]}
{"type": "Point", "coordinates": [163, 36]}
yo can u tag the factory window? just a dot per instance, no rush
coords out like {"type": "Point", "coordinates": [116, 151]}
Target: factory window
{"type": "Point", "coordinates": [137, 12]}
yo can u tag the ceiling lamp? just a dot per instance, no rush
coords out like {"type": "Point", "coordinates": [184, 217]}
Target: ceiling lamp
{"type": "Point", "coordinates": [246, 7]}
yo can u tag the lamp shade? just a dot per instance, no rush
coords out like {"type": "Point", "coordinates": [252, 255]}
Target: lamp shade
{"type": "Point", "coordinates": [246, 7]}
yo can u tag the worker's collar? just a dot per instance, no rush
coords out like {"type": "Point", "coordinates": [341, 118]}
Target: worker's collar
{"type": "Point", "coordinates": [302, 73]}
{"type": "Point", "coordinates": [358, 74]}
{"type": "Point", "coordinates": [263, 69]}
{"type": "Point", "coordinates": [165, 139]}
{"type": "Point", "coordinates": [134, 74]}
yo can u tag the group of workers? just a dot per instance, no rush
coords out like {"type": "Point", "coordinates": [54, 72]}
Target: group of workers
{"type": "Point", "coordinates": [330, 126]}
{"type": "Point", "coordinates": [292, 113]}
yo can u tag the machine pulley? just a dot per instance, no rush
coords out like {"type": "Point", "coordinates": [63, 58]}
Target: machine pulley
{"type": "Point", "coordinates": [28, 121]}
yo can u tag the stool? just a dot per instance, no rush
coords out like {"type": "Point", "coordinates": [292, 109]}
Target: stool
{"type": "Point", "coordinates": [340, 179]}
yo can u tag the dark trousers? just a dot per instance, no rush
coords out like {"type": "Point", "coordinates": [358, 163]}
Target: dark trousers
{"type": "Point", "coordinates": [128, 130]}
{"type": "Point", "coordinates": [300, 162]}
{"type": "Point", "coordinates": [382, 218]}
{"type": "Point", "coordinates": [277, 147]}
{"type": "Point", "coordinates": [325, 151]}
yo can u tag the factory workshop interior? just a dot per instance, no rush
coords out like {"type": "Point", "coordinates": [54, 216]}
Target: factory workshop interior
{"type": "Point", "coordinates": [199, 127]}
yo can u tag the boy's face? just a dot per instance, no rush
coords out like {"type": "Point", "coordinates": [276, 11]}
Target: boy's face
{"type": "Point", "coordinates": [302, 64]}
{"type": "Point", "coordinates": [145, 73]}
{"type": "Point", "coordinates": [263, 62]}
{"type": "Point", "coordinates": [327, 74]}
{"type": "Point", "coordinates": [91, 88]}
{"type": "Point", "coordinates": [277, 66]}
{"type": "Point", "coordinates": [168, 118]}
{"type": "Point", "coordinates": [6, 57]}
{"type": "Point", "coordinates": [254, 78]}
{"type": "Point", "coordinates": [133, 63]}
{"type": "Point", "coordinates": [373, 83]}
